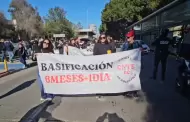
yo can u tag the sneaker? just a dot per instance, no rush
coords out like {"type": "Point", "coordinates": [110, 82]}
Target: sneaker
{"type": "Point", "coordinates": [49, 99]}
{"type": "Point", "coordinates": [42, 99]}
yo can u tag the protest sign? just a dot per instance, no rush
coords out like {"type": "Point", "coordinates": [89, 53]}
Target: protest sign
{"type": "Point", "coordinates": [71, 75]}
{"type": "Point", "coordinates": [80, 52]}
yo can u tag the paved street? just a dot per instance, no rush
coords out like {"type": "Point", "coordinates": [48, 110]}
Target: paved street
{"type": "Point", "coordinates": [158, 103]}
{"type": "Point", "coordinates": [19, 95]}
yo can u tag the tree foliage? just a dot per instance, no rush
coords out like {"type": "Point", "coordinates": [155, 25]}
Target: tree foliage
{"type": "Point", "coordinates": [27, 17]}
{"type": "Point", "coordinates": [57, 23]}
{"type": "Point", "coordinates": [119, 14]}
{"type": "Point", "coordinates": [6, 28]}
{"type": "Point", "coordinates": [79, 25]}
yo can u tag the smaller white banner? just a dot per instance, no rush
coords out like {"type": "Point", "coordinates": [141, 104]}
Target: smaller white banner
{"type": "Point", "coordinates": [80, 52]}
{"type": "Point", "coordinates": [58, 35]}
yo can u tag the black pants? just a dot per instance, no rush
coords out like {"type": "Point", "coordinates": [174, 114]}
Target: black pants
{"type": "Point", "coordinates": [157, 59]}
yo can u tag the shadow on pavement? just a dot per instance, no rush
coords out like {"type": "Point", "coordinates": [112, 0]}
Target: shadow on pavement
{"type": "Point", "coordinates": [50, 118]}
{"type": "Point", "coordinates": [164, 103]}
{"type": "Point", "coordinates": [18, 88]}
{"type": "Point", "coordinates": [33, 114]}
{"type": "Point", "coordinates": [46, 115]}
{"type": "Point", "coordinates": [110, 118]}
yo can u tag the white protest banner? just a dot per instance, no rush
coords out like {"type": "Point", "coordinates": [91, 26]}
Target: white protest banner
{"type": "Point", "coordinates": [71, 75]}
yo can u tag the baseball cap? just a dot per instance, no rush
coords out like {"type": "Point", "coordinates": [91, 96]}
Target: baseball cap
{"type": "Point", "coordinates": [130, 33]}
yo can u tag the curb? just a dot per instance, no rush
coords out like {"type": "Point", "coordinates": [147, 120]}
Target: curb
{"type": "Point", "coordinates": [6, 73]}
{"type": "Point", "coordinates": [35, 114]}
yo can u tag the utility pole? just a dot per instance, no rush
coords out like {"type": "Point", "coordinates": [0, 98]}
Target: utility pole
{"type": "Point", "coordinates": [87, 20]}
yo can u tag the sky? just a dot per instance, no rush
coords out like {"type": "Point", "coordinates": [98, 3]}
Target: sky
{"type": "Point", "coordinates": [83, 11]}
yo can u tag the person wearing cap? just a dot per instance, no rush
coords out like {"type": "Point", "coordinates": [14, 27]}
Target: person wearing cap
{"type": "Point", "coordinates": [130, 42]}
{"type": "Point", "coordinates": [129, 45]}
{"type": "Point", "coordinates": [161, 52]}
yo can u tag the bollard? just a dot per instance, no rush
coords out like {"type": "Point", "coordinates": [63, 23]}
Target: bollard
{"type": "Point", "coordinates": [5, 65]}
{"type": "Point", "coordinates": [108, 51]}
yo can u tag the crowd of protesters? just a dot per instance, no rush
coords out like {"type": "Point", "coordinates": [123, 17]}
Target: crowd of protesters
{"type": "Point", "coordinates": [103, 45]}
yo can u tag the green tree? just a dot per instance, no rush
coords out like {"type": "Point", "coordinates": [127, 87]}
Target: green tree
{"type": "Point", "coordinates": [119, 14]}
{"type": "Point", "coordinates": [27, 17]}
{"type": "Point", "coordinates": [6, 27]}
{"type": "Point", "coordinates": [57, 23]}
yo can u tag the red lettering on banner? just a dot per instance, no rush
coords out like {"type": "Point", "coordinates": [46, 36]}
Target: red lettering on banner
{"type": "Point", "coordinates": [81, 78]}
{"type": "Point", "coordinates": [132, 66]}
{"type": "Point", "coordinates": [47, 79]}
{"type": "Point", "coordinates": [127, 68]}
{"type": "Point", "coordinates": [62, 79]}
{"type": "Point", "coordinates": [54, 79]}
{"type": "Point", "coordinates": [119, 67]}
{"type": "Point", "coordinates": [78, 78]}
{"type": "Point", "coordinates": [107, 77]}
{"type": "Point", "coordinates": [94, 77]}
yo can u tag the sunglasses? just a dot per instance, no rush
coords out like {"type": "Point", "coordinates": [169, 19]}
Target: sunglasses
{"type": "Point", "coordinates": [46, 42]}
{"type": "Point", "coordinates": [102, 37]}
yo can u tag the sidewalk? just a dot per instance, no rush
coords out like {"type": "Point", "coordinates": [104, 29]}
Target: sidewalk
{"type": "Point", "coordinates": [159, 102]}
{"type": "Point", "coordinates": [14, 67]}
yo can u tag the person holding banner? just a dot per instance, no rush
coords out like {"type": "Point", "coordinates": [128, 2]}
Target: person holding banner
{"type": "Point", "coordinates": [129, 45]}
{"type": "Point", "coordinates": [47, 47]}
{"type": "Point", "coordinates": [102, 47]}
{"type": "Point", "coordinates": [72, 43]}
{"type": "Point", "coordinates": [130, 42]}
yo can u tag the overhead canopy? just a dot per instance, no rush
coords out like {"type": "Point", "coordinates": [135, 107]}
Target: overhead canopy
{"type": "Point", "coordinates": [176, 13]}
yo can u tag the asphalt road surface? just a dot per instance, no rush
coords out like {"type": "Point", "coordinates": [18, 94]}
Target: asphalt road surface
{"type": "Point", "coordinates": [19, 95]}
{"type": "Point", "coordinates": [158, 102]}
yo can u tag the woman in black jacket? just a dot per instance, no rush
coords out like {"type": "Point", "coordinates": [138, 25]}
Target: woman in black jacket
{"type": "Point", "coordinates": [102, 47]}
{"type": "Point", "coordinates": [47, 47]}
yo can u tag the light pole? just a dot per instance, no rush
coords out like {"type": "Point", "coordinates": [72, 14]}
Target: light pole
{"type": "Point", "coordinates": [87, 20]}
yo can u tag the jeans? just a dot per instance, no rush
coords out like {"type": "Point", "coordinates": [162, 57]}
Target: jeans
{"type": "Point", "coordinates": [43, 94]}
{"type": "Point", "coordinates": [10, 53]}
